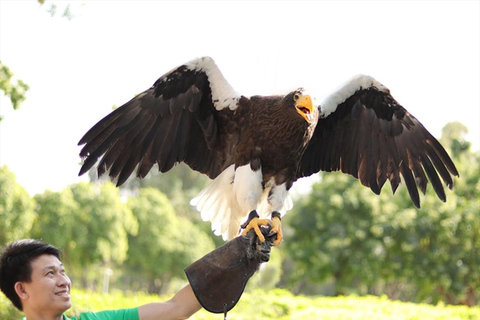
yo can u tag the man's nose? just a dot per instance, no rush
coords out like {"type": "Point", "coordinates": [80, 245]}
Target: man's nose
{"type": "Point", "coordinates": [64, 281]}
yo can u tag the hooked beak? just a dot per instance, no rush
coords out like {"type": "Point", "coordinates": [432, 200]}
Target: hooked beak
{"type": "Point", "coordinates": [304, 106]}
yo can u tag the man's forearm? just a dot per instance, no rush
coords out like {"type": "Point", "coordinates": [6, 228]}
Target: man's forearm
{"type": "Point", "coordinates": [181, 306]}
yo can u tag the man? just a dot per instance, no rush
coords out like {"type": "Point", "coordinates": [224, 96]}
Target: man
{"type": "Point", "coordinates": [33, 277]}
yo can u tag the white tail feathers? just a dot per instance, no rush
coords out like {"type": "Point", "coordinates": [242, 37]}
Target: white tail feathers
{"type": "Point", "coordinates": [218, 204]}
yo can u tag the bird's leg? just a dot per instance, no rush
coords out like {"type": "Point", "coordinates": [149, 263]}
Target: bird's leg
{"type": "Point", "coordinates": [277, 227]}
{"type": "Point", "coordinates": [253, 222]}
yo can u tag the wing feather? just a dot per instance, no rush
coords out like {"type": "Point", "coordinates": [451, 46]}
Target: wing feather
{"type": "Point", "coordinates": [119, 146]}
{"type": "Point", "coordinates": [410, 183]}
{"type": "Point", "coordinates": [175, 120]}
{"type": "Point", "coordinates": [433, 176]}
{"type": "Point", "coordinates": [445, 163]}
{"type": "Point", "coordinates": [382, 164]}
{"type": "Point", "coordinates": [365, 132]}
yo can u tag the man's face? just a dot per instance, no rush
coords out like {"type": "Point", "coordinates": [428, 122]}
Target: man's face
{"type": "Point", "coordinates": [49, 290]}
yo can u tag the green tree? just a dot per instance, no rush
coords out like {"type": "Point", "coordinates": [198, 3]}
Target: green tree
{"type": "Point", "coordinates": [56, 221]}
{"type": "Point", "coordinates": [335, 235]}
{"type": "Point", "coordinates": [453, 138]}
{"type": "Point", "coordinates": [90, 222]}
{"type": "Point", "coordinates": [53, 8]}
{"type": "Point", "coordinates": [449, 234]}
{"type": "Point", "coordinates": [383, 244]}
{"type": "Point", "coordinates": [16, 208]}
{"type": "Point", "coordinates": [180, 185]}
{"type": "Point", "coordinates": [15, 89]}
{"type": "Point", "coordinates": [105, 222]}
{"type": "Point", "coordinates": [165, 243]}
{"type": "Point", "coordinates": [438, 252]}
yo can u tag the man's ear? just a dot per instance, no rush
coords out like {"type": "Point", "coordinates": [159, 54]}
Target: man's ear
{"type": "Point", "coordinates": [20, 290]}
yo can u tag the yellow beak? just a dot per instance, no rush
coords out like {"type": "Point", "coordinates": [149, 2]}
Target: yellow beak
{"type": "Point", "coordinates": [304, 106]}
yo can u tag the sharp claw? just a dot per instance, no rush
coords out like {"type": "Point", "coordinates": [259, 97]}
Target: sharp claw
{"type": "Point", "coordinates": [255, 224]}
{"type": "Point", "coordinates": [277, 228]}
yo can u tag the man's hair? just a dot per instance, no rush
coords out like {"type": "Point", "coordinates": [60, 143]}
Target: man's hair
{"type": "Point", "coordinates": [15, 265]}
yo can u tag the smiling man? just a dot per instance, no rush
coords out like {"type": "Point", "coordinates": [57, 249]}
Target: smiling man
{"type": "Point", "coordinates": [48, 292]}
{"type": "Point", "coordinates": [33, 277]}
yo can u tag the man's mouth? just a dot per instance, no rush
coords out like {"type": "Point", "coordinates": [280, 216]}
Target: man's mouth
{"type": "Point", "coordinates": [63, 293]}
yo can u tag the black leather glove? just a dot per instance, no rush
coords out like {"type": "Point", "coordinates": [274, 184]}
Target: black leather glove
{"type": "Point", "coordinates": [219, 278]}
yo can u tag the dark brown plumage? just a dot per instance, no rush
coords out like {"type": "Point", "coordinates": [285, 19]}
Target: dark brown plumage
{"type": "Point", "coordinates": [192, 115]}
{"type": "Point", "coordinates": [374, 143]}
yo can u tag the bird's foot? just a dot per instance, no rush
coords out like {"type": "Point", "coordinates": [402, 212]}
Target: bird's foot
{"type": "Point", "coordinates": [276, 223]}
{"type": "Point", "coordinates": [254, 222]}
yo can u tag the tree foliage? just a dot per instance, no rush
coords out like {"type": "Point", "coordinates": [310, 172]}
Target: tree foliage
{"type": "Point", "coordinates": [14, 89]}
{"type": "Point", "coordinates": [339, 239]}
{"type": "Point", "coordinates": [365, 243]}
{"type": "Point", "coordinates": [89, 222]}
{"type": "Point", "coordinates": [107, 220]}
{"type": "Point", "coordinates": [335, 232]}
{"type": "Point", "coordinates": [53, 8]}
{"type": "Point", "coordinates": [180, 185]}
{"type": "Point", "coordinates": [165, 243]}
{"type": "Point", "coordinates": [57, 218]}
{"type": "Point", "coordinates": [16, 208]}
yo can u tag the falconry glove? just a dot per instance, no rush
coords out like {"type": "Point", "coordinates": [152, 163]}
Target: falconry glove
{"type": "Point", "coordinates": [219, 278]}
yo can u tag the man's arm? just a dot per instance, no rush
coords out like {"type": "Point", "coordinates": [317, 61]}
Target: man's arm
{"type": "Point", "coordinates": [181, 306]}
{"type": "Point", "coordinates": [217, 280]}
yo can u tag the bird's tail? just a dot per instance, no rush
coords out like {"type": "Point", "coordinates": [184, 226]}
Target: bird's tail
{"type": "Point", "coordinates": [217, 203]}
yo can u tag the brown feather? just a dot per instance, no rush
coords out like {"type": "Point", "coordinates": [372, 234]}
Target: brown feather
{"type": "Point", "coordinates": [371, 137]}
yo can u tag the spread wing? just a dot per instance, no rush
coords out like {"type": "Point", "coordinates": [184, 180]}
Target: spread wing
{"type": "Point", "coordinates": [366, 133]}
{"type": "Point", "coordinates": [182, 117]}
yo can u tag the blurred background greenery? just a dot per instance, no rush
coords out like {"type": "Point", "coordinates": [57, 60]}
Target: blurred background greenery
{"type": "Point", "coordinates": [340, 238]}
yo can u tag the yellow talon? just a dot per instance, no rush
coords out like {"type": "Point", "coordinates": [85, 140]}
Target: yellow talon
{"type": "Point", "coordinates": [277, 228]}
{"type": "Point", "coordinates": [275, 223]}
{"type": "Point", "coordinates": [255, 224]}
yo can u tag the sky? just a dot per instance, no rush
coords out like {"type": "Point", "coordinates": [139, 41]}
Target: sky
{"type": "Point", "coordinates": [426, 52]}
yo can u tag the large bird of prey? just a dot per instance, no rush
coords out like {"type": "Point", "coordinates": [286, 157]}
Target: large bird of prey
{"type": "Point", "coordinates": [255, 148]}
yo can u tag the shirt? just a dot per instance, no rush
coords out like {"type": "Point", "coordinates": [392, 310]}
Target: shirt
{"type": "Point", "coordinates": [120, 314]}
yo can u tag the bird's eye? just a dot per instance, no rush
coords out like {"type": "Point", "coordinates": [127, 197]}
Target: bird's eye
{"type": "Point", "coordinates": [296, 97]}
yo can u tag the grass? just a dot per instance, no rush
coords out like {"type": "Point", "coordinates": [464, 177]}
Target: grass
{"type": "Point", "coordinates": [279, 305]}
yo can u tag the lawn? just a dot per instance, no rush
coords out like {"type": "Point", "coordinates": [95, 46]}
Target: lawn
{"type": "Point", "coordinates": [279, 305]}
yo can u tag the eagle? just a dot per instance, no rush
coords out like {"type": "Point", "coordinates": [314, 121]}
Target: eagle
{"type": "Point", "coordinates": [255, 147]}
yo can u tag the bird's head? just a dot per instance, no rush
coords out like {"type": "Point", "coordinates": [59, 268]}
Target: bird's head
{"type": "Point", "coordinates": [304, 104]}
